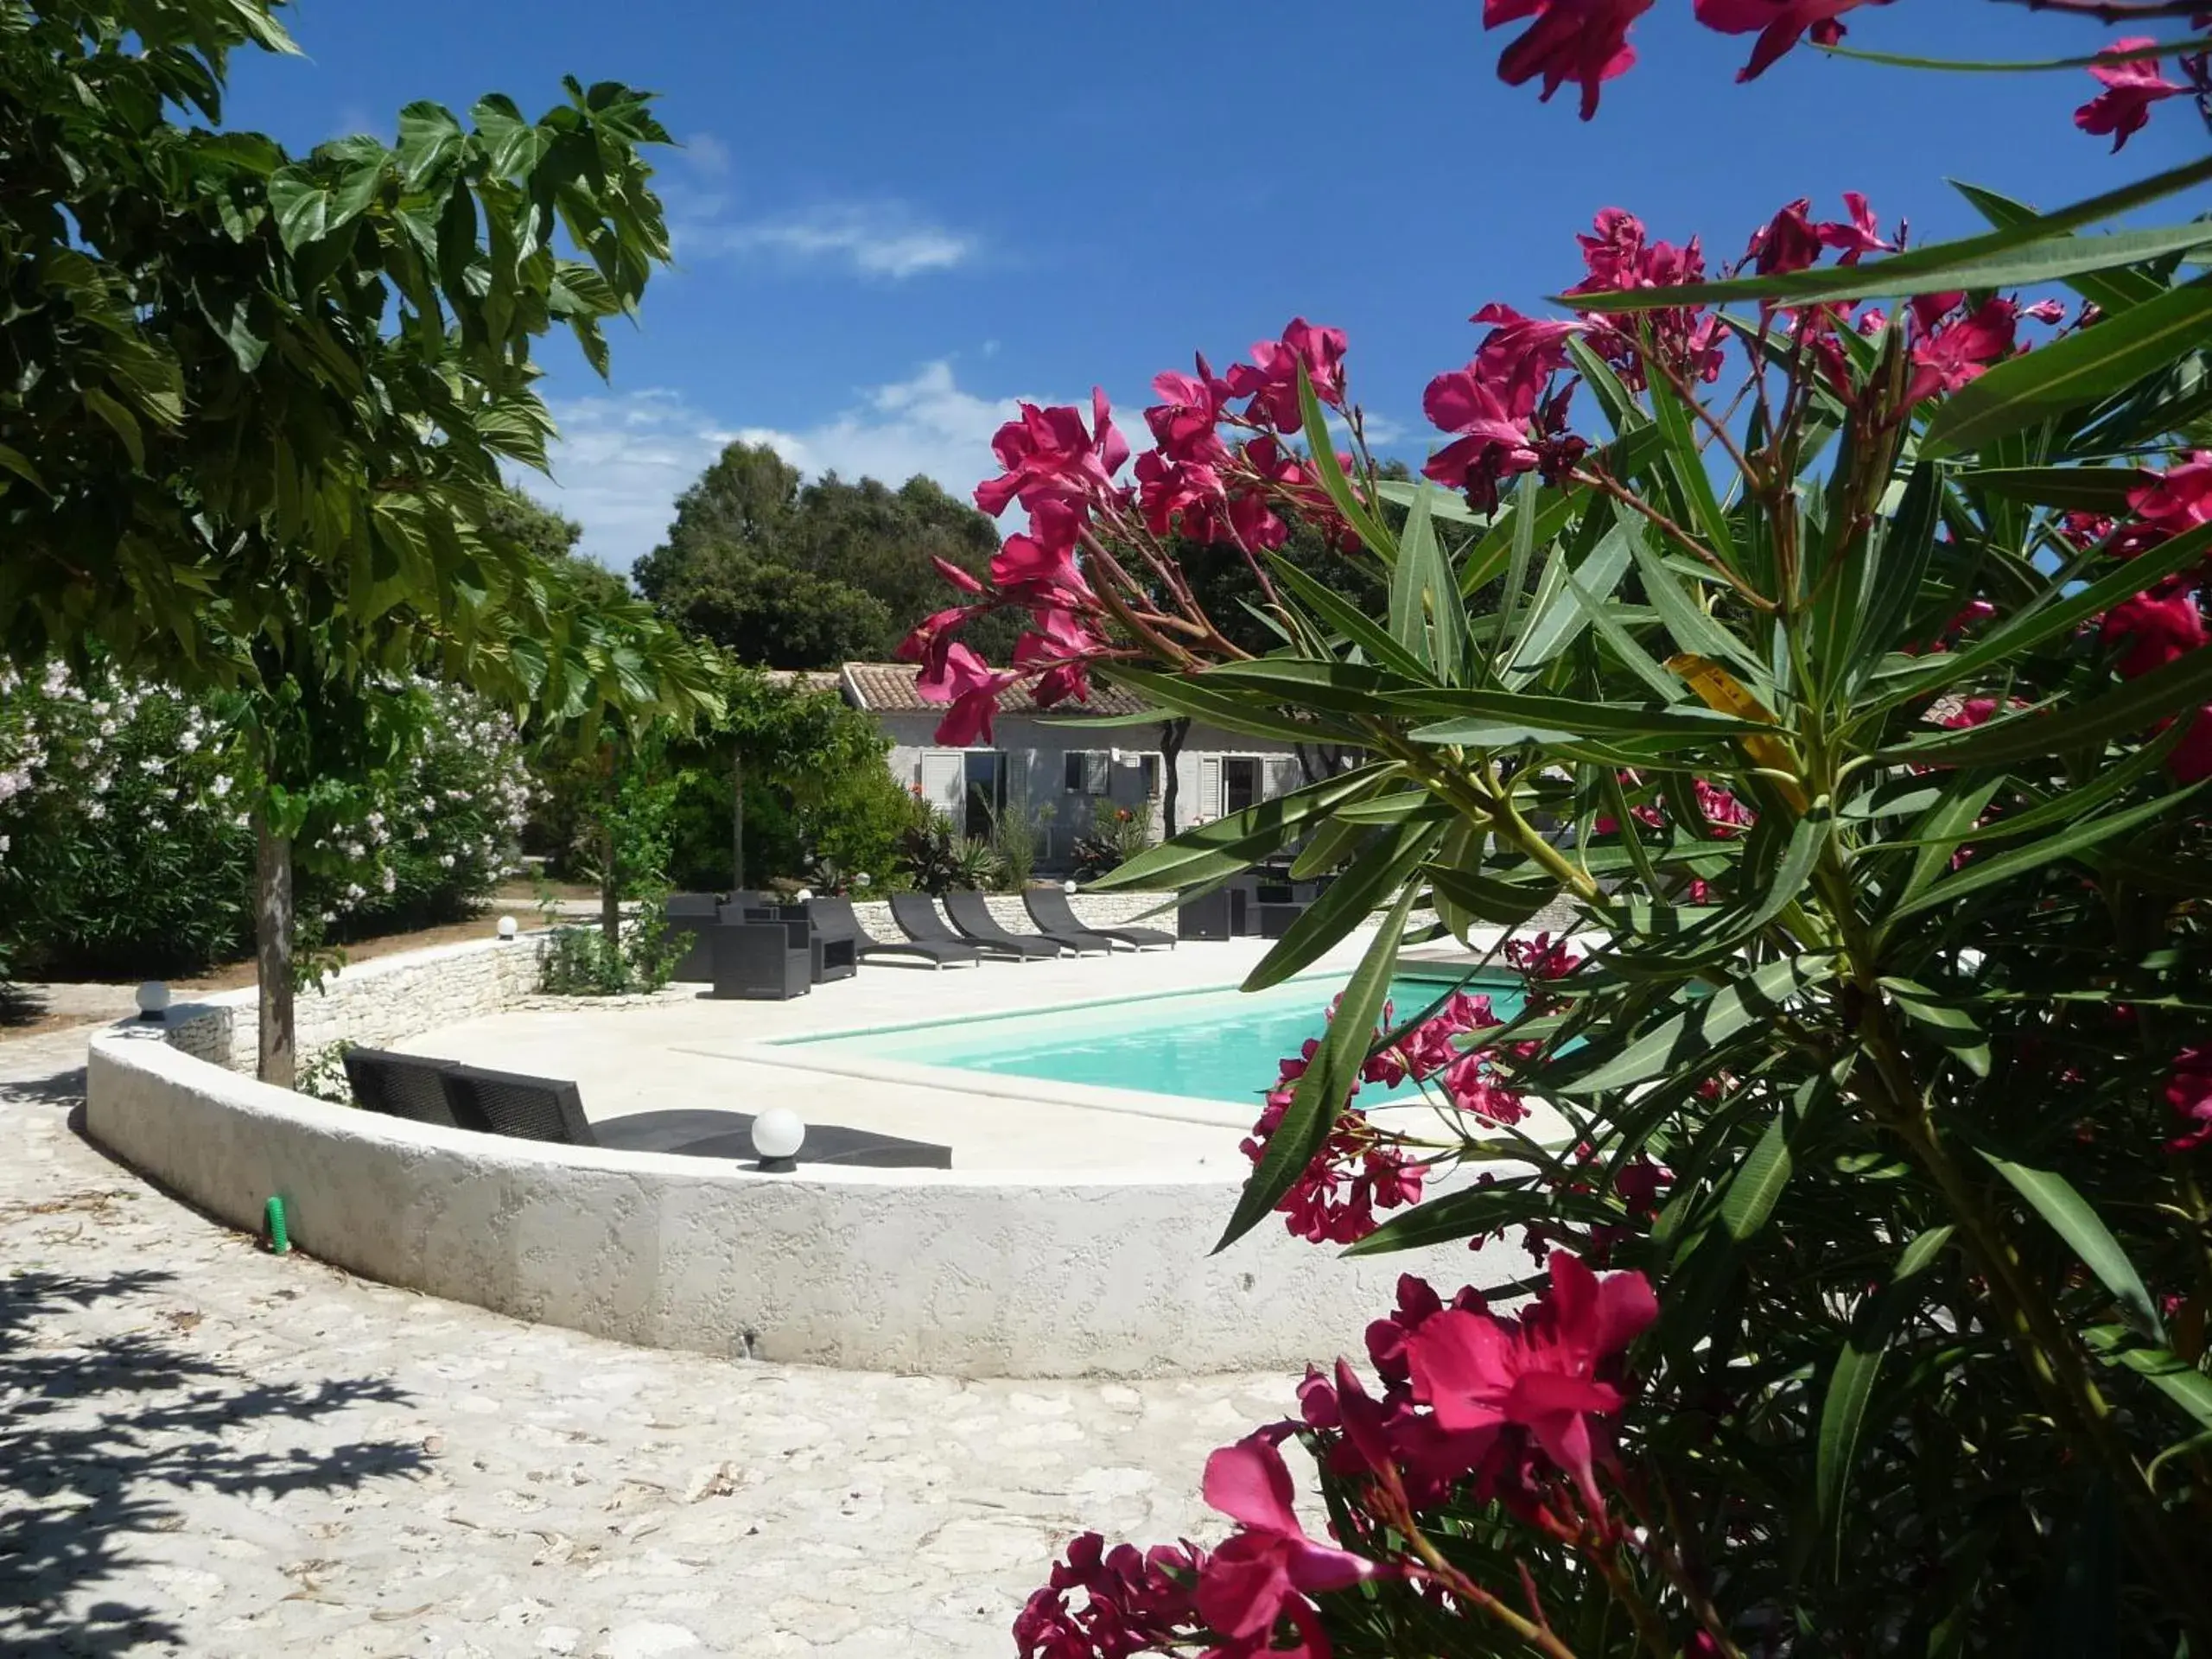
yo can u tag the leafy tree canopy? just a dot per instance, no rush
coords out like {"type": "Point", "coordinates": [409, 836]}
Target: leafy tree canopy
{"type": "Point", "coordinates": [789, 574]}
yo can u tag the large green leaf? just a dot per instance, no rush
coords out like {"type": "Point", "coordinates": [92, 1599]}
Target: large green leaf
{"type": "Point", "coordinates": [1369, 528]}
{"type": "Point", "coordinates": [1347, 618]}
{"type": "Point", "coordinates": [1508, 904]}
{"type": "Point", "coordinates": [1230, 709]}
{"type": "Point", "coordinates": [2016, 257]}
{"type": "Point", "coordinates": [1758, 1184]}
{"type": "Point", "coordinates": [1231, 843]}
{"type": "Point", "coordinates": [2115, 290]}
{"type": "Point", "coordinates": [1851, 1384]}
{"type": "Point", "coordinates": [2086, 489]}
{"type": "Point", "coordinates": [1557, 619]}
{"type": "Point", "coordinates": [2185, 683]}
{"type": "Point", "coordinates": [1381, 870]}
{"type": "Point", "coordinates": [2075, 371]}
{"type": "Point", "coordinates": [1475, 1211]}
{"type": "Point", "coordinates": [1500, 719]}
{"type": "Point", "coordinates": [1326, 1085]}
{"type": "Point", "coordinates": [1757, 997]}
{"type": "Point", "coordinates": [2073, 840]}
{"type": "Point", "coordinates": [2051, 1196]}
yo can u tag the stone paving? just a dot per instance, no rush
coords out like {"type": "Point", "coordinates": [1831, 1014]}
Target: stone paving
{"type": "Point", "coordinates": [209, 1450]}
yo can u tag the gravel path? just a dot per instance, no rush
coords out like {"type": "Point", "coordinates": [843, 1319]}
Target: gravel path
{"type": "Point", "coordinates": [208, 1449]}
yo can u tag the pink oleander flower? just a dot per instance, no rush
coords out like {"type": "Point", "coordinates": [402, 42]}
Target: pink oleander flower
{"type": "Point", "coordinates": [1059, 651]}
{"type": "Point", "coordinates": [1476, 1090]}
{"type": "Point", "coordinates": [1787, 242]}
{"type": "Point", "coordinates": [1190, 406]}
{"type": "Point", "coordinates": [1024, 565]}
{"type": "Point", "coordinates": [1585, 41]}
{"type": "Point", "coordinates": [2188, 1091]}
{"type": "Point", "coordinates": [2154, 628]}
{"type": "Point", "coordinates": [1620, 257]}
{"type": "Point", "coordinates": [1267, 1570]}
{"type": "Point", "coordinates": [1974, 711]}
{"type": "Point", "coordinates": [1857, 235]}
{"type": "Point", "coordinates": [1548, 1372]}
{"type": "Point", "coordinates": [1050, 454]}
{"type": "Point", "coordinates": [1136, 1601]}
{"type": "Point", "coordinates": [2131, 87]}
{"type": "Point", "coordinates": [1779, 24]}
{"type": "Point", "coordinates": [2190, 760]}
{"type": "Point", "coordinates": [2167, 504]}
{"type": "Point", "coordinates": [1270, 380]}
{"type": "Point", "coordinates": [1953, 352]}
{"type": "Point", "coordinates": [1496, 405]}
{"type": "Point", "coordinates": [1542, 957]}
{"type": "Point", "coordinates": [962, 678]}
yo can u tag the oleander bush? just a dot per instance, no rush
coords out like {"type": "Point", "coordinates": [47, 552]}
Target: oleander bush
{"type": "Point", "coordinates": [1827, 627]}
{"type": "Point", "coordinates": [124, 846]}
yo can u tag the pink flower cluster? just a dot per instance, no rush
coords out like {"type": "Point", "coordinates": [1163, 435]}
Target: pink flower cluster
{"type": "Point", "coordinates": [1064, 471]}
{"type": "Point", "coordinates": [1518, 1408]}
{"type": "Point", "coordinates": [2166, 622]}
{"type": "Point", "coordinates": [1360, 1169]}
{"type": "Point", "coordinates": [2132, 84]}
{"type": "Point", "coordinates": [2188, 1091]}
{"type": "Point", "coordinates": [1585, 41]}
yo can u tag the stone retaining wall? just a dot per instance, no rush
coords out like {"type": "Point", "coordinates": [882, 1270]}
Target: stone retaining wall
{"type": "Point", "coordinates": [374, 1003]}
{"type": "Point", "coordinates": [964, 1274]}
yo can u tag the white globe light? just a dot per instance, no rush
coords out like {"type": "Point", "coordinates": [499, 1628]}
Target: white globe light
{"type": "Point", "coordinates": [1067, 887]}
{"type": "Point", "coordinates": [153, 999]}
{"type": "Point", "coordinates": [777, 1133]}
{"type": "Point", "coordinates": [863, 880]}
{"type": "Point", "coordinates": [507, 927]}
{"type": "Point", "coordinates": [803, 894]}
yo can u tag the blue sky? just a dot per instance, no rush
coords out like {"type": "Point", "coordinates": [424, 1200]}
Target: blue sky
{"type": "Point", "coordinates": [893, 220]}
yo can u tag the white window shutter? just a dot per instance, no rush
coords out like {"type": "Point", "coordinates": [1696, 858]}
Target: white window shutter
{"type": "Point", "coordinates": [1097, 773]}
{"type": "Point", "coordinates": [1208, 801]}
{"type": "Point", "coordinates": [1282, 776]}
{"type": "Point", "coordinates": [941, 772]}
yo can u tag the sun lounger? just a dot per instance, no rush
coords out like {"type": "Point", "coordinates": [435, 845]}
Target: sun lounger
{"type": "Point", "coordinates": [918, 919]}
{"type": "Point", "coordinates": [971, 913]}
{"type": "Point", "coordinates": [835, 920]}
{"type": "Point", "coordinates": [1056, 918]}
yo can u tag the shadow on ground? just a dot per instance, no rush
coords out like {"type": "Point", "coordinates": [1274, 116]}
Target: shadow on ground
{"type": "Point", "coordinates": [100, 1439]}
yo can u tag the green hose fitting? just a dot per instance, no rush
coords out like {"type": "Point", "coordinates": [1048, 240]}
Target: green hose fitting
{"type": "Point", "coordinates": [272, 1215]}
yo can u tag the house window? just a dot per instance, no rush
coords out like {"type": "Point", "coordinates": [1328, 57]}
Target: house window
{"type": "Point", "coordinates": [1240, 783]}
{"type": "Point", "coordinates": [983, 773]}
{"type": "Point", "coordinates": [1150, 763]}
{"type": "Point", "coordinates": [1087, 771]}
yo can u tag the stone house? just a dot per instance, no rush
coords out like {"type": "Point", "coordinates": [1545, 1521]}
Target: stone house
{"type": "Point", "coordinates": [1068, 773]}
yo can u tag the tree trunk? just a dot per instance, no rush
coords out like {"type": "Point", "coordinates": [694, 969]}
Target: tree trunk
{"type": "Point", "coordinates": [1172, 734]}
{"type": "Point", "coordinates": [737, 820]}
{"type": "Point", "coordinates": [273, 940]}
{"type": "Point", "coordinates": [610, 892]}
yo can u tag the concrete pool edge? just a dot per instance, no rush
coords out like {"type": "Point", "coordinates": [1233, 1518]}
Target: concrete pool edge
{"type": "Point", "coordinates": [978, 1273]}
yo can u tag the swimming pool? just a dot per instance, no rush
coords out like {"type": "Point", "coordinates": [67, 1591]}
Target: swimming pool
{"type": "Point", "coordinates": [1218, 1045]}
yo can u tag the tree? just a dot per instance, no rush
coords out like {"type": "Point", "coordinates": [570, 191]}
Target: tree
{"type": "Point", "coordinates": [549, 538]}
{"type": "Point", "coordinates": [255, 405]}
{"type": "Point", "coordinates": [787, 575]}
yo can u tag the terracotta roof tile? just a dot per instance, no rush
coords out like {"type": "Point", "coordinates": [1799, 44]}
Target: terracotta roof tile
{"type": "Point", "coordinates": [889, 689]}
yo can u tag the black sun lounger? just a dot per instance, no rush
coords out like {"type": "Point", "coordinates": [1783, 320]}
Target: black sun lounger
{"type": "Point", "coordinates": [971, 914]}
{"type": "Point", "coordinates": [916, 916]}
{"type": "Point", "coordinates": [834, 921]}
{"type": "Point", "coordinates": [1056, 918]}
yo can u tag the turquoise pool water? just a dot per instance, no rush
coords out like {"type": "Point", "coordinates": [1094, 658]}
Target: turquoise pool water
{"type": "Point", "coordinates": [1208, 1045]}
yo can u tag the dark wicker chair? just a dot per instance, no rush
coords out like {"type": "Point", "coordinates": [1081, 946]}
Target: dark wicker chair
{"type": "Point", "coordinates": [1215, 915]}
{"type": "Point", "coordinates": [760, 961]}
{"type": "Point", "coordinates": [835, 923]}
{"type": "Point", "coordinates": [1055, 918]}
{"type": "Point", "coordinates": [547, 1108]}
{"type": "Point", "coordinates": [404, 1085]}
{"type": "Point", "coordinates": [918, 919]}
{"type": "Point", "coordinates": [971, 914]}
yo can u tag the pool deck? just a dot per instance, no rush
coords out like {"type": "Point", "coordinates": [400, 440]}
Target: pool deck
{"type": "Point", "coordinates": [687, 1051]}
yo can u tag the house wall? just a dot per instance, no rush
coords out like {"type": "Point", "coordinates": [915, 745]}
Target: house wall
{"type": "Point", "coordinates": [1037, 753]}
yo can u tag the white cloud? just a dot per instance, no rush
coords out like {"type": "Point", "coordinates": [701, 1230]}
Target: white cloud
{"type": "Point", "coordinates": [707, 154]}
{"type": "Point", "coordinates": [879, 238]}
{"type": "Point", "coordinates": [621, 462]}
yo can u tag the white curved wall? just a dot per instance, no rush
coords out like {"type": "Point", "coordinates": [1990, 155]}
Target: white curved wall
{"type": "Point", "coordinates": [868, 1270]}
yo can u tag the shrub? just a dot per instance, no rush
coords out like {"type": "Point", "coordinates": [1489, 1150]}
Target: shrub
{"type": "Point", "coordinates": [127, 852]}
{"type": "Point", "coordinates": [930, 856]}
{"type": "Point", "coordinates": [1860, 1159]}
{"type": "Point", "coordinates": [1117, 834]}
{"type": "Point", "coordinates": [1018, 832]}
